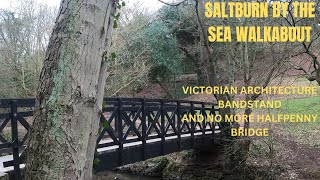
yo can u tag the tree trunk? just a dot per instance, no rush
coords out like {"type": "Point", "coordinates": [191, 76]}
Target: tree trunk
{"type": "Point", "coordinates": [70, 92]}
{"type": "Point", "coordinates": [209, 66]}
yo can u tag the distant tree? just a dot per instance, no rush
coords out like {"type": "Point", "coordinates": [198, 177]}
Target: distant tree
{"type": "Point", "coordinates": [306, 50]}
{"type": "Point", "coordinates": [24, 34]}
{"type": "Point", "coordinates": [165, 56]}
{"type": "Point", "coordinates": [70, 92]}
{"type": "Point", "coordinates": [182, 23]}
{"type": "Point", "coordinates": [226, 64]}
{"type": "Point", "coordinates": [129, 67]}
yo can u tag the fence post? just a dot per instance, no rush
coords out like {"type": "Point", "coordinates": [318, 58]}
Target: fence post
{"type": "Point", "coordinates": [204, 113]}
{"type": "Point", "coordinates": [163, 133]}
{"type": "Point", "coordinates": [192, 124]}
{"type": "Point", "coordinates": [144, 128]}
{"type": "Point", "coordinates": [15, 140]}
{"type": "Point", "coordinates": [116, 128]}
{"type": "Point", "coordinates": [213, 123]}
{"type": "Point", "coordinates": [120, 130]}
{"type": "Point", "coordinates": [179, 125]}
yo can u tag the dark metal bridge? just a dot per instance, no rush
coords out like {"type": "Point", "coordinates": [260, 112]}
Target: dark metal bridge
{"type": "Point", "coordinates": [132, 130]}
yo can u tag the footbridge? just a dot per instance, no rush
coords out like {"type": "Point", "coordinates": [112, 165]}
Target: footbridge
{"type": "Point", "coordinates": [132, 130]}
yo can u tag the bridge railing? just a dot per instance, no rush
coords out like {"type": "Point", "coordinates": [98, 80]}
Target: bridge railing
{"type": "Point", "coordinates": [14, 130]}
{"type": "Point", "coordinates": [142, 120]}
{"type": "Point", "coordinates": [123, 121]}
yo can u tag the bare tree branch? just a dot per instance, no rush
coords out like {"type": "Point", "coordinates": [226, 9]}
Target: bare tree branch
{"type": "Point", "coordinates": [172, 4]}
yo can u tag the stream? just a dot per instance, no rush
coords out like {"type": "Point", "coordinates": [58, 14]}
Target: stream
{"type": "Point", "coordinates": [112, 175]}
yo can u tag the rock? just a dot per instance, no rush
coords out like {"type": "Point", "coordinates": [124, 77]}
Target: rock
{"type": "Point", "coordinates": [189, 171]}
{"type": "Point", "coordinates": [181, 166]}
{"type": "Point", "coordinates": [4, 176]}
{"type": "Point", "coordinates": [172, 171]}
{"type": "Point", "coordinates": [151, 167]}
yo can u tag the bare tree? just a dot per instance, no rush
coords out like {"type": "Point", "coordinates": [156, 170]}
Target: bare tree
{"type": "Point", "coordinates": [310, 69]}
{"type": "Point", "coordinates": [128, 71]}
{"type": "Point", "coordinates": [24, 32]}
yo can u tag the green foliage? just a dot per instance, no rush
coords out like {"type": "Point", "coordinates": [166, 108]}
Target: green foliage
{"type": "Point", "coordinates": [113, 55]}
{"type": "Point", "coordinates": [7, 136]}
{"type": "Point", "coordinates": [182, 23]}
{"type": "Point", "coordinates": [105, 125]}
{"type": "Point", "coordinates": [171, 17]}
{"type": "Point", "coordinates": [183, 26]}
{"type": "Point", "coordinates": [164, 51]}
{"type": "Point", "coordinates": [115, 24]}
{"type": "Point", "coordinates": [96, 159]}
{"type": "Point", "coordinates": [116, 16]}
{"type": "Point", "coordinates": [104, 103]}
{"type": "Point", "coordinates": [120, 5]}
{"type": "Point", "coordinates": [159, 71]}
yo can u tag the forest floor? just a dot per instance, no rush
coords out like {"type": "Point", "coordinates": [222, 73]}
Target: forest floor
{"type": "Point", "coordinates": [292, 151]}
{"type": "Point", "coordinates": [292, 147]}
{"type": "Point", "coordinates": [285, 157]}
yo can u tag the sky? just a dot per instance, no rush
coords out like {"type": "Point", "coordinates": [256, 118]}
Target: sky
{"type": "Point", "coordinates": [149, 4]}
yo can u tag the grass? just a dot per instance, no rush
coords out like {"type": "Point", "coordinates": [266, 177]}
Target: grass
{"type": "Point", "coordinates": [305, 133]}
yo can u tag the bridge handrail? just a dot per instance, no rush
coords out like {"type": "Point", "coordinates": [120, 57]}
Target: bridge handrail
{"type": "Point", "coordinates": [30, 102]}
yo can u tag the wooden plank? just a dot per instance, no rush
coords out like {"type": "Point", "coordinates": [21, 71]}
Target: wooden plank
{"type": "Point", "coordinates": [179, 125]}
{"type": "Point", "coordinates": [120, 131]}
{"type": "Point", "coordinates": [171, 121]}
{"type": "Point", "coordinates": [110, 132]}
{"type": "Point", "coordinates": [6, 103]}
{"type": "Point", "coordinates": [15, 140]}
{"type": "Point", "coordinates": [26, 113]}
{"type": "Point", "coordinates": [4, 124]}
{"type": "Point", "coordinates": [132, 125]}
{"type": "Point", "coordinates": [3, 140]}
{"type": "Point", "coordinates": [162, 127]}
{"type": "Point", "coordinates": [23, 121]}
{"type": "Point", "coordinates": [153, 122]}
{"type": "Point", "coordinates": [4, 115]}
{"type": "Point", "coordinates": [5, 145]}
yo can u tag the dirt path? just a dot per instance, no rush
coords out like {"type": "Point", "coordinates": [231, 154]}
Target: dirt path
{"type": "Point", "coordinates": [299, 160]}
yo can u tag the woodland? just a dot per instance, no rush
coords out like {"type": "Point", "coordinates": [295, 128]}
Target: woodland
{"type": "Point", "coordinates": [147, 54]}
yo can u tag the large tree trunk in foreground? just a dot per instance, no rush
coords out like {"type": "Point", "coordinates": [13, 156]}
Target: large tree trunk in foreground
{"type": "Point", "coordinates": [70, 92]}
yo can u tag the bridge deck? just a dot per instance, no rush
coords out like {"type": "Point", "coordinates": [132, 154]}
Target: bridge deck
{"type": "Point", "coordinates": [100, 150]}
{"type": "Point", "coordinates": [149, 141]}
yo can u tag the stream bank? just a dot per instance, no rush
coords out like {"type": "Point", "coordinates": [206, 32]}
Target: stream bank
{"type": "Point", "coordinates": [183, 165]}
{"type": "Point", "coordinates": [190, 165]}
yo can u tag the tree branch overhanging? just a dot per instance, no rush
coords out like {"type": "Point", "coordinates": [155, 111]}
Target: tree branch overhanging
{"type": "Point", "coordinates": [172, 4]}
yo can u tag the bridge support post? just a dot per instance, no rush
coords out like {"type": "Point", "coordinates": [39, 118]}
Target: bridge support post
{"type": "Point", "coordinates": [179, 125]}
{"type": "Point", "coordinates": [192, 123]}
{"type": "Point", "coordinates": [15, 140]}
{"type": "Point", "coordinates": [213, 123]}
{"type": "Point", "coordinates": [204, 113]}
{"type": "Point", "coordinates": [120, 131]}
{"type": "Point", "coordinates": [144, 129]}
{"type": "Point", "coordinates": [163, 133]}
